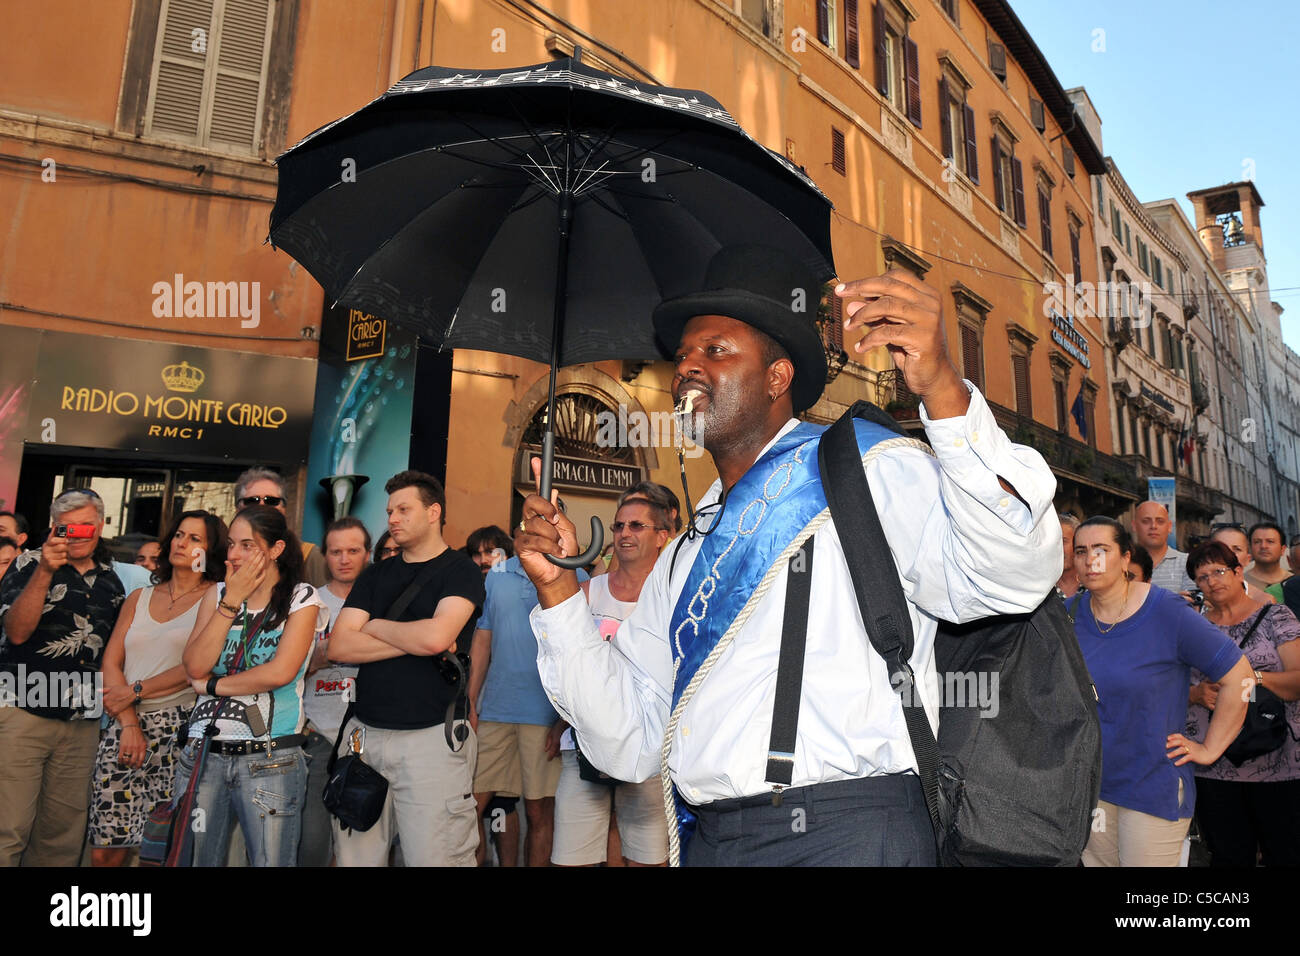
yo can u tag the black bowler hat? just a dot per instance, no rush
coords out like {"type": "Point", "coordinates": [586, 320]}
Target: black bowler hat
{"type": "Point", "coordinates": [760, 286]}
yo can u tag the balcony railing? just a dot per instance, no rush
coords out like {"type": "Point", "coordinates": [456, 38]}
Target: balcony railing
{"type": "Point", "coordinates": [1200, 393]}
{"type": "Point", "coordinates": [1067, 454]}
{"type": "Point", "coordinates": [893, 395]}
{"type": "Point", "coordinates": [1120, 332]}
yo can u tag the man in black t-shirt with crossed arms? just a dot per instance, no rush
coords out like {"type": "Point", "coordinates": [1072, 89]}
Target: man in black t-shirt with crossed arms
{"type": "Point", "coordinates": [402, 696]}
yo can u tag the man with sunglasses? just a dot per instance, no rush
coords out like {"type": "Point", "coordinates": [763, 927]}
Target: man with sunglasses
{"type": "Point", "coordinates": [58, 607]}
{"type": "Point", "coordinates": [641, 529]}
{"type": "Point", "coordinates": [261, 486]}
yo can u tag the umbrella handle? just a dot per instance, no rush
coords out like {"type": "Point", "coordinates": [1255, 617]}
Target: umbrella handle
{"type": "Point", "coordinates": [597, 529]}
{"type": "Point", "coordinates": [588, 556]}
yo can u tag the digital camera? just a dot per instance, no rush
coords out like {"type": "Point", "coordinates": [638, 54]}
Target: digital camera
{"type": "Point", "coordinates": [75, 531]}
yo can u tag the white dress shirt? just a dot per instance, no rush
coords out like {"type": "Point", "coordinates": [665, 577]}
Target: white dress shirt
{"type": "Point", "coordinates": [964, 549]}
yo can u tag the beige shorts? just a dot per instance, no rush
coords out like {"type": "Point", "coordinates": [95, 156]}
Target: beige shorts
{"type": "Point", "coordinates": [582, 819]}
{"type": "Point", "coordinates": [512, 760]}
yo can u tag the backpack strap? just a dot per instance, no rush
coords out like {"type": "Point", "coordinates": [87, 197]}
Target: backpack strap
{"type": "Point", "coordinates": [875, 582]}
{"type": "Point", "coordinates": [789, 672]}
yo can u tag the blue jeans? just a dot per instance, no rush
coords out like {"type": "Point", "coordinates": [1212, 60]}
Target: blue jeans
{"type": "Point", "coordinates": [264, 793]}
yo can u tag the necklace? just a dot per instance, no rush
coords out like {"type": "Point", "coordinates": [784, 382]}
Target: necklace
{"type": "Point", "coordinates": [171, 591]}
{"type": "Point", "coordinates": [1107, 630]}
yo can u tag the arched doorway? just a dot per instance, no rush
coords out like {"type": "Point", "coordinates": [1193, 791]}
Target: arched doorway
{"type": "Point", "coordinates": [591, 471]}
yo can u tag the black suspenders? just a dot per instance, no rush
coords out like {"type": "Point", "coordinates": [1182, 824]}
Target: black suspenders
{"type": "Point", "coordinates": [789, 672]}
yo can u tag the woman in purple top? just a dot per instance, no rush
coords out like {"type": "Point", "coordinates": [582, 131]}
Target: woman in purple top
{"type": "Point", "coordinates": [1140, 643]}
{"type": "Point", "coordinates": [1243, 810]}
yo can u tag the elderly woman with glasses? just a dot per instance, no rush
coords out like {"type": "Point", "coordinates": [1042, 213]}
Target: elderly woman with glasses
{"type": "Point", "coordinates": [1235, 537]}
{"type": "Point", "coordinates": [1252, 807]}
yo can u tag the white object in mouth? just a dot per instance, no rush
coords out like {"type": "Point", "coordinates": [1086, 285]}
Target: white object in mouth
{"type": "Point", "coordinates": [686, 404]}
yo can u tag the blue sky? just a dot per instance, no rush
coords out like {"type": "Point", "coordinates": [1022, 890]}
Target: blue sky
{"type": "Point", "coordinates": [1188, 92]}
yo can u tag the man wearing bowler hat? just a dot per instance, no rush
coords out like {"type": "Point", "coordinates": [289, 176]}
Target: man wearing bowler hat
{"type": "Point", "coordinates": [970, 526]}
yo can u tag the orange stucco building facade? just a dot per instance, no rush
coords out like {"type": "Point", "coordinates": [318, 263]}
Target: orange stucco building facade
{"type": "Point", "coordinates": [942, 138]}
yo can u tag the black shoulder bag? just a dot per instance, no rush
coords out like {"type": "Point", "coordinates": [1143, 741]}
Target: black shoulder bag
{"type": "Point", "coordinates": [1265, 729]}
{"type": "Point", "coordinates": [1017, 788]}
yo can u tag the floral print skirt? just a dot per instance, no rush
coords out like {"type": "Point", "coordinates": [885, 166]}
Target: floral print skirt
{"type": "Point", "coordinates": [121, 797]}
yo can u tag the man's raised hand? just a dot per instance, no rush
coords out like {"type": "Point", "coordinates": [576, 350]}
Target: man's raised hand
{"type": "Point", "coordinates": [903, 314]}
{"type": "Point", "coordinates": [545, 530]}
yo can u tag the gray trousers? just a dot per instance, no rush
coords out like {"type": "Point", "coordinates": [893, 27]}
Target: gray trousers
{"type": "Point", "coordinates": [430, 801]}
{"type": "Point", "coordinates": [870, 821]}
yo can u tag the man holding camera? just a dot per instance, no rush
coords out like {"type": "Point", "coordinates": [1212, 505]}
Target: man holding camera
{"type": "Point", "coordinates": [58, 607]}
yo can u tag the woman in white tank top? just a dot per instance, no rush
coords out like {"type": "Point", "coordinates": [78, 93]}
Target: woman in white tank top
{"type": "Point", "coordinates": [146, 691]}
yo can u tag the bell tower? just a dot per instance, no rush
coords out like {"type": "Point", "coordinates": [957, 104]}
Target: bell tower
{"type": "Point", "coordinates": [1227, 222]}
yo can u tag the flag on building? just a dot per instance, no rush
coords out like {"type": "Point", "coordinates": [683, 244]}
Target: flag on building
{"type": "Point", "coordinates": [1080, 414]}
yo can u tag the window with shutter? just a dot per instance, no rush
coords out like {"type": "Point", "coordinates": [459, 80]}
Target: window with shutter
{"type": "Point", "coordinates": [824, 22]}
{"type": "Point", "coordinates": [998, 60]}
{"type": "Point", "coordinates": [999, 188]}
{"type": "Point", "coordinates": [1067, 157]}
{"type": "Point", "coordinates": [1062, 409]}
{"type": "Point", "coordinates": [1018, 192]}
{"type": "Point", "coordinates": [881, 44]}
{"type": "Point", "coordinates": [838, 162]}
{"type": "Point", "coordinates": [945, 119]}
{"type": "Point", "coordinates": [972, 156]}
{"type": "Point", "coordinates": [1115, 227]}
{"type": "Point", "coordinates": [912, 69]}
{"type": "Point", "coordinates": [1045, 220]}
{"type": "Point", "coordinates": [1036, 114]}
{"type": "Point", "coordinates": [1128, 246]}
{"type": "Point", "coordinates": [1075, 263]}
{"type": "Point", "coordinates": [972, 360]}
{"type": "Point", "coordinates": [950, 8]}
{"type": "Point", "coordinates": [1089, 416]}
{"type": "Point", "coordinates": [1020, 372]}
{"type": "Point", "coordinates": [835, 333]}
{"type": "Point", "coordinates": [209, 81]}
{"type": "Point", "coordinates": [851, 34]}
{"type": "Point", "coordinates": [1101, 197]}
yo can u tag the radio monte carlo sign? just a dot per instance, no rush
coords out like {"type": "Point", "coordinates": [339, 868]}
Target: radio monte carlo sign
{"type": "Point", "coordinates": [150, 396]}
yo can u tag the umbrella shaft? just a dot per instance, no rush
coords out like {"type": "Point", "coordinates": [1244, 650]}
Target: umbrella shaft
{"type": "Point", "coordinates": [557, 327]}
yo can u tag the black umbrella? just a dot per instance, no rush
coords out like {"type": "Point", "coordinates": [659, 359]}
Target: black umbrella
{"type": "Point", "coordinates": [541, 211]}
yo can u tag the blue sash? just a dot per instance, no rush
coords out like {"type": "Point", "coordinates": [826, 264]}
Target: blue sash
{"type": "Point", "coordinates": [765, 510]}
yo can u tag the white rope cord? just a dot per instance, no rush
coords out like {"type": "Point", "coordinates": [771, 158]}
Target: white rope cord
{"type": "Point", "coordinates": [670, 802]}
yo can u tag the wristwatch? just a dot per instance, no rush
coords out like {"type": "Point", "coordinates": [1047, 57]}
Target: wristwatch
{"type": "Point", "coordinates": [138, 687]}
{"type": "Point", "coordinates": [1259, 678]}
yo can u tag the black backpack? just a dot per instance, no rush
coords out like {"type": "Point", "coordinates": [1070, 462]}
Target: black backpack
{"type": "Point", "coordinates": [1015, 789]}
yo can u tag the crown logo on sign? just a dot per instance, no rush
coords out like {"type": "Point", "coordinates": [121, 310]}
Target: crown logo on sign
{"type": "Point", "coordinates": [182, 378]}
